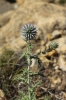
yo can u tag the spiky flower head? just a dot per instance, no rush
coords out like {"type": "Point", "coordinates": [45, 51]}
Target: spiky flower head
{"type": "Point", "coordinates": [28, 32]}
{"type": "Point", "coordinates": [53, 45]}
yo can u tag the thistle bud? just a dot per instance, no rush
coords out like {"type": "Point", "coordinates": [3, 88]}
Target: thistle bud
{"type": "Point", "coordinates": [28, 32]}
{"type": "Point", "coordinates": [53, 45]}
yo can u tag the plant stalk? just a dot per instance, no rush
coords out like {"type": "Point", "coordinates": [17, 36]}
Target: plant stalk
{"type": "Point", "coordinates": [28, 59]}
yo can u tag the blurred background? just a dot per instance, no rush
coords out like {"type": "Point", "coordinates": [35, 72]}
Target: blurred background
{"type": "Point", "coordinates": [49, 16]}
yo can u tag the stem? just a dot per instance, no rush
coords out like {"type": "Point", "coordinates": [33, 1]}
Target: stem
{"type": "Point", "coordinates": [28, 59]}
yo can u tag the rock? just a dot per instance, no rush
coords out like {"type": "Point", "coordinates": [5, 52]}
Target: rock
{"type": "Point", "coordinates": [45, 62]}
{"type": "Point", "coordinates": [62, 49]}
{"type": "Point", "coordinates": [55, 80]}
{"type": "Point", "coordinates": [6, 6]}
{"type": "Point", "coordinates": [2, 96]}
{"type": "Point", "coordinates": [56, 34]}
{"type": "Point", "coordinates": [56, 1]}
{"type": "Point", "coordinates": [20, 2]}
{"type": "Point", "coordinates": [46, 21]}
{"type": "Point", "coordinates": [64, 32]}
{"type": "Point", "coordinates": [62, 63]}
{"type": "Point", "coordinates": [51, 53]}
{"type": "Point", "coordinates": [63, 83]}
{"type": "Point", "coordinates": [51, 1]}
{"type": "Point", "coordinates": [5, 18]}
{"type": "Point", "coordinates": [34, 66]}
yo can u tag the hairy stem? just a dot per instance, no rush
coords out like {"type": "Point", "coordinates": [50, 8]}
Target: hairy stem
{"type": "Point", "coordinates": [28, 59]}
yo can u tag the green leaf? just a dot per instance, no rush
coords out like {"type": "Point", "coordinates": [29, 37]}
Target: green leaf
{"type": "Point", "coordinates": [24, 54]}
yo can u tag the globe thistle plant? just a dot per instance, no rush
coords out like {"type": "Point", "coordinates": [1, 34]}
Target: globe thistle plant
{"type": "Point", "coordinates": [28, 33]}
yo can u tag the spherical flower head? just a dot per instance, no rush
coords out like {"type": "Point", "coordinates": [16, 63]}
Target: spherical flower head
{"type": "Point", "coordinates": [28, 32]}
{"type": "Point", "coordinates": [53, 45]}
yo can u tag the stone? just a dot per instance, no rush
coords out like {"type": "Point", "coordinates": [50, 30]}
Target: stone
{"type": "Point", "coordinates": [45, 21]}
{"type": "Point", "coordinates": [56, 34]}
{"type": "Point", "coordinates": [64, 32]}
{"type": "Point", "coordinates": [62, 63]}
{"type": "Point", "coordinates": [6, 6]}
{"type": "Point", "coordinates": [5, 18]}
{"type": "Point", "coordinates": [45, 61]}
{"type": "Point", "coordinates": [55, 80]}
{"type": "Point", "coordinates": [62, 49]}
{"type": "Point", "coordinates": [2, 96]}
{"type": "Point", "coordinates": [20, 2]}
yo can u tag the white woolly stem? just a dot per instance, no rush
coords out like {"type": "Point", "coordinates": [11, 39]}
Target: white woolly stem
{"type": "Point", "coordinates": [28, 59]}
